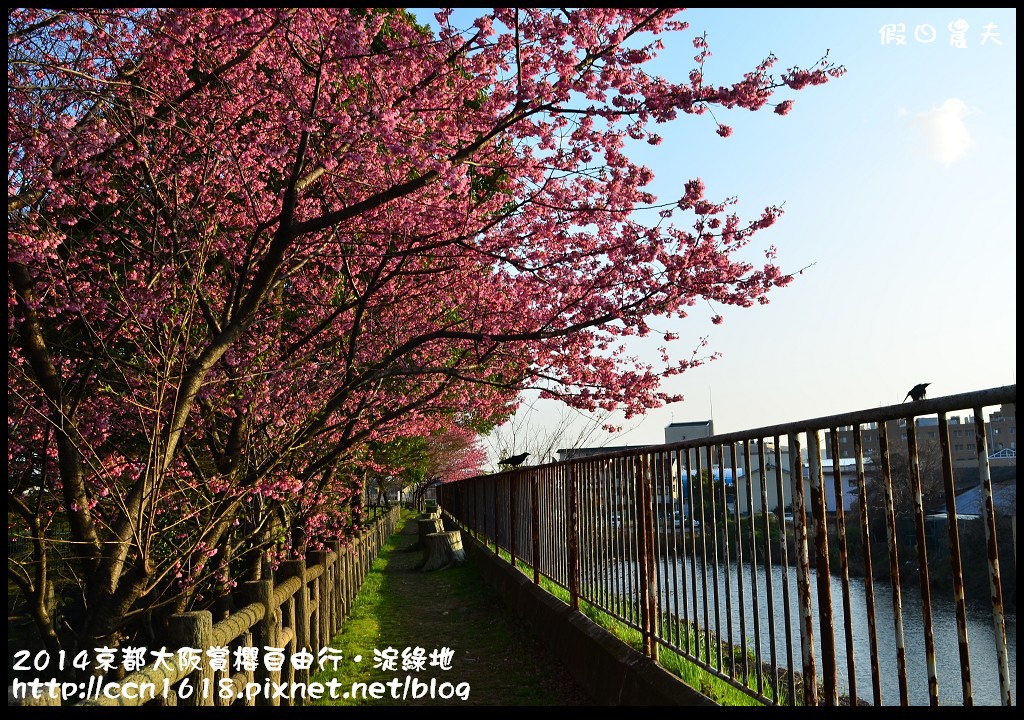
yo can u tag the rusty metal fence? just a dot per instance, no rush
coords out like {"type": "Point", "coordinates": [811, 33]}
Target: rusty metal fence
{"type": "Point", "coordinates": [830, 548]}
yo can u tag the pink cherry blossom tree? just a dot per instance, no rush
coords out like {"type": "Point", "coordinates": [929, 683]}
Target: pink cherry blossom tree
{"type": "Point", "coordinates": [244, 243]}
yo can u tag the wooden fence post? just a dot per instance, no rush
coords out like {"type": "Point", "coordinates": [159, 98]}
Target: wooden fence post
{"type": "Point", "coordinates": [346, 582]}
{"type": "Point", "coordinates": [339, 584]}
{"type": "Point", "coordinates": [194, 630]}
{"type": "Point", "coordinates": [297, 568]}
{"type": "Point", "coordinates": [329, 588]}
{"type": "Point", "coordinates": [318, 629]}
{"type": "Point", "coordinates": [264, 635]}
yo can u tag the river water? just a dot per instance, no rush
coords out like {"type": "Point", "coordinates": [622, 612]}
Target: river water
{"type": "Point", "coordinates": [981, 631]}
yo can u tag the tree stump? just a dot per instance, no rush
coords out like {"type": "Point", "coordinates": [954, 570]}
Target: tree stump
{"type": "Point", "coordinates": [443, 550]}
{"type": "Point", "coordinates": [428, 525]}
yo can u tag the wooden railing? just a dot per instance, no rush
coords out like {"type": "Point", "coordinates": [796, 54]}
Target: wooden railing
{"type": "Point", "coordinates": [296, 615]}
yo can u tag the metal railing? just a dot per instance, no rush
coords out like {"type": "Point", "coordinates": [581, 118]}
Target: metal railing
{"type": "Point", "coordinates": [765, 558]}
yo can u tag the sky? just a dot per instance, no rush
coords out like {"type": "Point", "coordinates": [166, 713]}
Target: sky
{"type": "Point", "coordinates": [898, 182]}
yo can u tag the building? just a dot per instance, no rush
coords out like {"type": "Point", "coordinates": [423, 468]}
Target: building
{"type": "Point", "coordinates": [1001, 430]}
{"type": "Point", "coordinates": [1002, 436]}
{"type": "Point", "coordinates": [681, 431]}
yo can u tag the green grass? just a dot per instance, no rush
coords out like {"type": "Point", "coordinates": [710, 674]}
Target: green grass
{"type": "Point", "coordinates": [401, 607]}
{"type": "Point", "coordinates": [494, 656]}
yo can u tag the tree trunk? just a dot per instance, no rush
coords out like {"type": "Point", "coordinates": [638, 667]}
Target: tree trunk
{"type": "Point", "coordinates": [443, 550]}
{"type": "Point", "coordinates": [429, 524]}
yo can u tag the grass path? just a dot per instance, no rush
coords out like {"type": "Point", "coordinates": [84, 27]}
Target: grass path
{"type": "Point", "coordinates": [495, 659]}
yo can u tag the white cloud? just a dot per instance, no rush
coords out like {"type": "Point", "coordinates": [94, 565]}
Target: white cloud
{"type": "Point", "coordinates": [943, 132]}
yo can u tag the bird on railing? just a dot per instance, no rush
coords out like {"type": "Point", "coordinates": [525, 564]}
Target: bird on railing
{"type": "Point", "coordinates": [514, 460]}
{"type": "Point", "coordinates": [917, 392]}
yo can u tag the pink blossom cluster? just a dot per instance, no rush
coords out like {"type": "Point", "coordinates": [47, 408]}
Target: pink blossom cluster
{"type": "Point", "coordinates": [261, 256]}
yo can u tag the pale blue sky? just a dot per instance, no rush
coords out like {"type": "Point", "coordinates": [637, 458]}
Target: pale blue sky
{"type": "Point", "coordinates": [899, 184]}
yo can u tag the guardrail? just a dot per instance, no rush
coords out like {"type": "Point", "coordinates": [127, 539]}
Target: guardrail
{"type": "Point", "coordinates": [764, 564]}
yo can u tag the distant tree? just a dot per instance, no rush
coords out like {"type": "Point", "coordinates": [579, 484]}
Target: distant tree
{"type": "Point", "coordinates": [930, 470]}
{"type": "Point", "coordinates": [542, 433]}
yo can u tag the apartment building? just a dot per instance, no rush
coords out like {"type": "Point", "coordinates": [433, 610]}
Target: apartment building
{"type": "Point", "coordinates": [1001, 430]}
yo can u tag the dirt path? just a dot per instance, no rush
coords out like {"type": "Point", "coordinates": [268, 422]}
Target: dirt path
{"type": "Point", "coordinates": [495, 658]}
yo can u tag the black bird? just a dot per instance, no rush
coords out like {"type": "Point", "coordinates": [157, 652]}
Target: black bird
{"type": "Point", "coordinates": [917, 392]}
{"type": "Point", "coordinates": [514, 460]}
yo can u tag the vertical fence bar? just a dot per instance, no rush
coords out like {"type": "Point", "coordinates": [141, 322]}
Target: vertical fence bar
{"type": "Point", "coordinates": [623, 572]}
{"type": "Point", "coordinates": [672, 560]}
{"type": "Point", "coordinates": [844, 565]}
{"type": "Point", "coordinates": [787, 610]}
{"type": "Point", "coordinates": [628, 468]}
{"type": "Point", "coordinates": [650, 586]}
{"type": "Point", "coordinates": [922, 564]}
{"type": "Point", "coordinates": [616, 490]}
{"type": "Point", "coordinates": [869, 575]}
{"type": "Point", "coordinates": [476, 509]}
{"type": "Point", "coordinates": [498, 515]}
{"type": "Point", "coordinates": [559, 525]}
{"type": "Point", "coordinates": [994, 581]}
{"type": "Point", "coordinates": [513, 520]}
{"type": "Point", "coordinates": [594, 544]}
{"type": "Point", "coordinates": [573, 527]}
{"type": "Point", "coordinates": [699, 481]}
{"type": "Point", "coordinates": [485, 484]}
{"type": "Point", "coordinates": [894, 565]}
{"type": "Point", "coordinates": [803, 574]}
{"type": "Point", "coordinates": [693, 471]}
{"type": "Point", "coordinates": [716, 531]}
{"type": "Point", "coordinates": [645, 540]}
{"type": "Point", "coordinates": [544, 518]}
{"type": "Point", "coordinates": [606, 533]}
{"type": "Point", "coordinates": [826, 616]}
{"type": "Point", "coordinates": [535, 520]}
{"type": "Point", "coordinates": [769, 572]}
{"type": "Point", "coordinates": [685, 514]}
{"type": "Point", "coordinates": [754, 585]}
{"type": "Point", "coordinates": [585, 515]}
{"type": "Point", "coordinates": [727, 645]}
{"type": "Point", "coordinates": [602, 533]}
{"type": "Point", "coordinates": [738, 517]}
{"type": "Point", "coordinates": [956, 569]}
